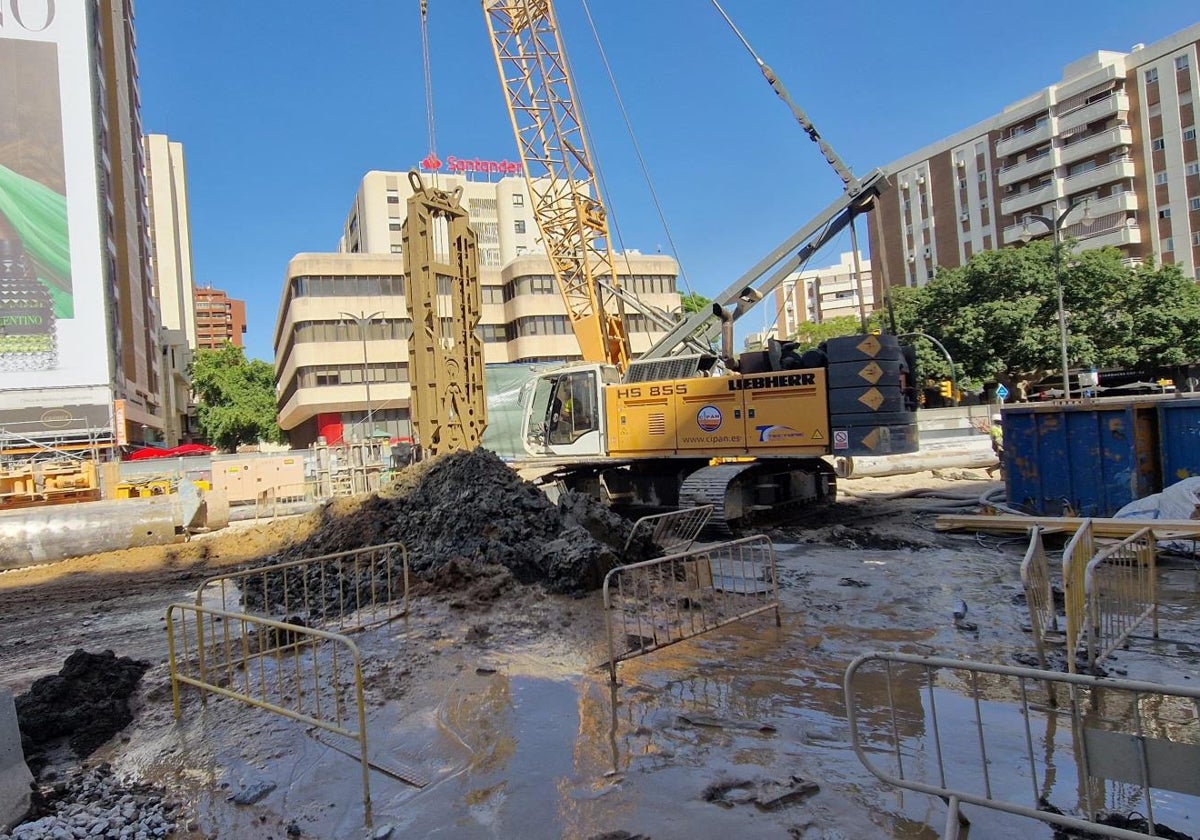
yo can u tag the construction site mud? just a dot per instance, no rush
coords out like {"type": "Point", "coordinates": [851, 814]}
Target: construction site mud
{"type": "Point", "coordinates": [489, 687]}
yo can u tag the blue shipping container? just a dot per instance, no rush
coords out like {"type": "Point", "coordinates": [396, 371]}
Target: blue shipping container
{"type": "Point", "coordinates": [1179, 432]}
{"type": "Point", "coordinates": [1088, 459]}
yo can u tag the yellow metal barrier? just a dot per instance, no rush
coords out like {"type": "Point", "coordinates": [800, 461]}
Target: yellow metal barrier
{"type": "Point", "coordinates": [1121, 593]}
{"type": "Point", "coordinates": [285, 499]}
{"type": "Point", "coordinates": [298, 672]}
{"type": "Point", "coordinates": [347, 591]}
{"type": "Point", "coordinates": [1076, 556]}
{"type": "Point", "coordinates": [659, 602]}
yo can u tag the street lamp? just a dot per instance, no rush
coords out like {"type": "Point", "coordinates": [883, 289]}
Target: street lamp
{"type": "Point", "coordinates": [950, 361]}
{"type": "Point", "coordinates": [1055, 226]}
{"type": "Point", "coordinates": [363, 322]}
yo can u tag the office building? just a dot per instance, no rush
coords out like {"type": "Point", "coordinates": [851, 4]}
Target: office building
{"type": "Point", "coordinates": [219, 318]}
{"type": "Point", "coordinates": [1115, 138]}
{"type": "Point", "coordinates": [320, 355]}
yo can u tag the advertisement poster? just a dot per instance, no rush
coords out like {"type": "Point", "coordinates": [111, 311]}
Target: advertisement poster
{"type": "Point", "coordinates": [53, 329]}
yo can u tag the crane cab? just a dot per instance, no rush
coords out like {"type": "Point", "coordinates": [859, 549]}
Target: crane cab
{"type": "Point", "coordinates": [564, 411]}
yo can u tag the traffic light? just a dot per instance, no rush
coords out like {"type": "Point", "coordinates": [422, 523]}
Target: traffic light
{"type": "Point", "coordinates": [947, 388]}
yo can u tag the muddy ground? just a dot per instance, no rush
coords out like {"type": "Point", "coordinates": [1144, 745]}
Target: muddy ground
{"type": "Point", "coordinates": [497, 701]}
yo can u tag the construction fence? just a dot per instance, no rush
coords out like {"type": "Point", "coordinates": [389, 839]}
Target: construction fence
{"type": "Point", "coordinates": [346, 591]}
{"type": "Point", "coordinates": [1115, 745]}
{"type": "Point", "coordinates": [660, 602]}
{"type": "Point", "coordinates": [1108, 594]}
{"type": "Point", "coordinates": [302, 673]}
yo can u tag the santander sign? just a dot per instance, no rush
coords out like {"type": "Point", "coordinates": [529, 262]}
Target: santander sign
{"type": "Point", "coordinates": [457, 166]}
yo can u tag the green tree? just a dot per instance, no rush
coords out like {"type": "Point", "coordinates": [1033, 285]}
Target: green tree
{"type": "Point", "coordinates": [998, 314]}
{"type": "Point", "coordinates": [237, 398]}
{"type": "Point", "coordinates": [693, 302]}
{"type": "Point", "coordinates": [809, 335]}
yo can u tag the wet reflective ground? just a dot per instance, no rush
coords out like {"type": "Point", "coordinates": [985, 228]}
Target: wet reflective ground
{"type": "Point", "coordinates": [519, 733]}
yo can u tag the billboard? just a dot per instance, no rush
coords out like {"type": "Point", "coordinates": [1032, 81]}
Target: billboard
{"type": "Point", "coordinates": [53, 323]}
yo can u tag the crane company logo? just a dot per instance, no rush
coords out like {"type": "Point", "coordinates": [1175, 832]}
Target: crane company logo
{"type": "Point", "coordinates": [432, 163]}
{"type": "Point", "coordinates": [709, 418]}
{"type": "Point", "coordinates": [770, 434]}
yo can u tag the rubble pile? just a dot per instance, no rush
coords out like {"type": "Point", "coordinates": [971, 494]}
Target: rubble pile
{"type": "Point", "coordinates": [469, 509]}
{"type": "Point", "coordinates": [94, 803]}
{"type": "Point", "coordinates": [84, 704]}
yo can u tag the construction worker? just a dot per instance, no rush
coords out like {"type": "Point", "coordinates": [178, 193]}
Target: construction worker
{"type": "Point", "coordinates": [996, 432]}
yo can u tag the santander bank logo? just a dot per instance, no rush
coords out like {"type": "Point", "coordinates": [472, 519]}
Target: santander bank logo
{"type": "Point", "coordinates": [456, 165]}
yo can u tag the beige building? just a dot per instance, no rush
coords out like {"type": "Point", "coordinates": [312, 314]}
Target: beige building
{"type": "Point", "coordinates": [819, 294]}
{"type": "Point", "coordinates": [1116, 135]}
{"type": "Point", "coordinates": [170, 233]}
{"type": "Point", "coordinates": [320, 354]}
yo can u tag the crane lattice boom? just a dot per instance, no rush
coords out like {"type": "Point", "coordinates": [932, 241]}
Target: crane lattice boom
{"type": "Point", "coordinates": [558, 167]}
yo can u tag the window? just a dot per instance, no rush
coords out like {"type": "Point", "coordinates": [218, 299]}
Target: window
{"type": "Point", "coordinates": [519, 226]}
{"type": "Point", "coordinates": [394, 226]}
{"type": "Point", "coordinates": [1164, 213]}
{"type": "Point", "coordinates": [1181, 62]}
{"type": "Point", "coordinates": [1189, 133]}
{"type": "Point", "coordinates": [1160, 178]}
{"type": "Point", "coordinates": [397, 249]}
{"type": "Point", "coordinates": [1194, 204]}
{"type": "Point", "coordinates": [1158, 144]}
{"type": "Point", "coordinates": [393, 199]}
{"type": "Point", "coordinates": [492, 294]}
{"type": "Point", "coordinates": [1151, 76]}
{"type": "Point", "coordinates": [1168, 244]}
{"type": "Point", "coordinates": [1155, 110]}
{"type": "Point", "coordinates": [962, 183]}
{"type": "Point", "coordinates": [518, 200]}
{"type": "Point", "coordinates": [979, 148]}
{"type": "Point", "coordinates": [1193, 168]}
{"type": "Point", "coordinates": [982, 177]}
{"type": "Point", "coordinates": [1196, 239]}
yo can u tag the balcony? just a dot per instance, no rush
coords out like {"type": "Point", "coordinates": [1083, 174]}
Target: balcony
{"type": "Point", "coordinates": [1119, 136]}
{"type": "Point", "coordinates": [1104, 216]}
{"type": "Point", "coordinates": [1016, 202]}
{"type": "Point", "coordinates": [1119, 169]}
{"type": "Point", "coordinates": [1016, 142]}
{"type": "Point", "coordinates": [1026, 169]}
{"type": "Point", "coordinates": [1109, 106]}
{"type": "Point", "coordinates": [1118, 235]}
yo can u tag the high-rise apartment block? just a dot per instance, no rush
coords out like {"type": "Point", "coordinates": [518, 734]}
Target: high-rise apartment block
{"type": "Point", "coordinates": [170, 233]}
{"type": "Point", "coordinates": [328, 377]}
{"type": "Point", "coordinates": [1115, 139]}
{"type": "Point", "coordinates": [82, 361]}
{"type": "Point", "coordinates": [816, 295]}
{"type": "Point", "coordinates": [219, 319]}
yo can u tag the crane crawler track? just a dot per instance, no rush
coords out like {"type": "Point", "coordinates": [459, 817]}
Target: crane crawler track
{"type": "Point", "coordinates": [757, 493]}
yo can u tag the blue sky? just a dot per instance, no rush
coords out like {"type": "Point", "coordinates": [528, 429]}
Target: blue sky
{"type": "Point", "coordinates": [283, 105]}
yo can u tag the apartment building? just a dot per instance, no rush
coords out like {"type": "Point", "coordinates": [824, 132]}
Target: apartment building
{"type": "Point", "coordinates": [219, 318]}
{"type": "Point", "coordinates": [819, 294]}
{"type": "Point", "coordinates": [170, 234]}
{"type": "Point", "coordinates": [329, 374]}
{"type": "Point", "coordinates": [1115, 139]}
{"type": "Point", "coordinates": [71, 145]}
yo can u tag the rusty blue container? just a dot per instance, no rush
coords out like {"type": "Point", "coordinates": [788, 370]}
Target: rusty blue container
{"type": "Point", "coordinates": [1179, 435]}
{"type": "Point", "coordinates": [1085, 459]}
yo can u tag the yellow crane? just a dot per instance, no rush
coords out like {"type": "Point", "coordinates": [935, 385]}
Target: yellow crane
{"type": "Point", "coordinates": [559, 172]}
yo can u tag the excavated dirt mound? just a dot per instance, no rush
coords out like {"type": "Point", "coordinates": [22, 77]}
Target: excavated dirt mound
{"type": "Point", "coordinates": [85, 703]}
{"type": "Point", "coordinates": [471, 509]}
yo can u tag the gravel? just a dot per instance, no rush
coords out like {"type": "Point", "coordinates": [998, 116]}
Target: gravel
{"type": "Point", "coordinates": [93, 802]}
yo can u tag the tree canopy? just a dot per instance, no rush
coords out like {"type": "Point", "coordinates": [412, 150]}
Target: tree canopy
{"type": "Point", "coordinates": [236, 398]}
{"type": "Point", "coordinates": [693, 302]}
{"type": "Point", "coordinates": [997, 315]}
{"type": "Point", "coordinates": [809, 335]}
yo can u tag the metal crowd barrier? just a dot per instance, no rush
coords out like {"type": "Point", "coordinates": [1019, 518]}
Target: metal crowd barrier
{"type": "Point", "coordinates": [1039, 597]}
{"type": "Point", "coordinates": [1121, 594]}
{"type": "Point", "coordinates": [659, 602]}
{"type": "Point", "coordinates": [301, 673]}
{"type": "Point", "coordinates": [1079, 552]}
{"type": "Point", "coordinates": [674, 531]}
{"type": "Point", "coordinates": [1134, 742]}
{"type": "Point", "coordinates": [347, 591]}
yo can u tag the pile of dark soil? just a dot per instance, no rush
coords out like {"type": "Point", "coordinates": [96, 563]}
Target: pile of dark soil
{"type": "Point", "coordinates": [474, 510]}
{"type": "Point", "coordinates": [85, 704]}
